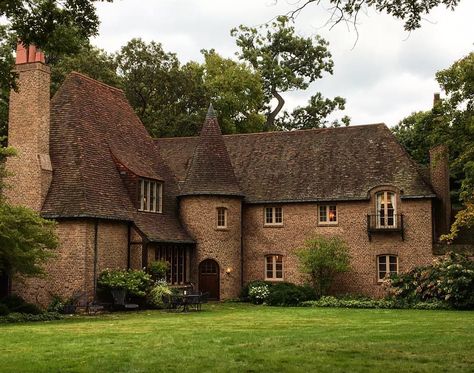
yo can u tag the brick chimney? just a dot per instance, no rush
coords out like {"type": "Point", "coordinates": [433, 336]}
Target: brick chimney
{"type": "Point", "coordinates": [439, 174]}
{"type": "Point", "coordinates": [28, 130]}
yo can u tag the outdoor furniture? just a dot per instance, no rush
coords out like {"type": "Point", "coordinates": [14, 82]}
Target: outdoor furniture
{"type": "Point", "coordinates": [184, 302]}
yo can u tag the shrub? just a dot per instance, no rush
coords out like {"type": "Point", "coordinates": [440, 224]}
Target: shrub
{"type": "Point", "coordinates": [449, 279]}
{"type": "Point", "coordinates": [288, 294]}
{"type": "Point", "coordinates": [158, 269]}
{"type": "Point", "coordinates": [244, 293]}
{"type": "Point", "coordinates": [4, 310]}
{"type": "Point", "coordinates": [155, 296]}
{"type": "Point", "coordinates": [56, 304]}
{"type": "Point", "coordinates": [17, 304]}
{"type": "Point", "coordinates": [135, 282]}
{"type": "Point", "coordinates": [321, 258]}
{"type": "Point", "coordinates": [24, 317]}
{"type": "Point", "coordinates": [258, 292]}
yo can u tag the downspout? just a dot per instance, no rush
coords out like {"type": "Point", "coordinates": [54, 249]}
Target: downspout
{"type": "Point", "coordinates": [96, 254]}
{"type": "Point", "coordinates": [129, 245]}
{"type": "Point", "coordinates": [241, 245]}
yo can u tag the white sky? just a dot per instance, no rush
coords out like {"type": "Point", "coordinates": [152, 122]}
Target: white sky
{"type": "Point", "coordinates": [387, 75]}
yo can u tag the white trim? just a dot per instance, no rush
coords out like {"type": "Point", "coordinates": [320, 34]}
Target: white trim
{"type": "Point", "coordinates": [387, 265]}
{"type": "Point", "coordinates": [327, 208]}
{"type": "Point", "coordinates": [273, 210]}
{"type": "Point", "coordinates": [224, 210]}
{"type": "Point", "coordinates": [274, 269]}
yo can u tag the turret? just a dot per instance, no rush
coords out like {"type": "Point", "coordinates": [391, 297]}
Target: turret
{"type": "Point", "coordinates": [211, 210]}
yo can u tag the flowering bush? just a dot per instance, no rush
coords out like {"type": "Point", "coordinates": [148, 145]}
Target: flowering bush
{"type": "Point", "coordinates": [449, 279]}
{"type": "Point", "coordinates": [259, 292]}
{"type": "Point", "coordinates": [136, 282]}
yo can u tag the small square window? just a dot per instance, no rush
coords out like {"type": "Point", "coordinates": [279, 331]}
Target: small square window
{"type": "Point", "coordinates": [273, 216]}
{"type": "Point", "coordinates": [274, 267]}
{"type": "Point", "coordinates": [327, 214]}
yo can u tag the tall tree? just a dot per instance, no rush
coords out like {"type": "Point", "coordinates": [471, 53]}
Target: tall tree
{"type": "Point", "coordinates": [410, 11]}
{"type": "Point", "coordinates": [284, 60]}
{"type": "Point", "coordinates": [451, 122]}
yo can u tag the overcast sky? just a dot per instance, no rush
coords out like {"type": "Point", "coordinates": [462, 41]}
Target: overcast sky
{"type": "Point", "coordinates": [384, 77]}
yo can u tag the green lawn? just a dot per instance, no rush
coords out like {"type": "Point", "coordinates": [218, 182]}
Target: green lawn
{"type": "Point", "coordinates": [245, 338]}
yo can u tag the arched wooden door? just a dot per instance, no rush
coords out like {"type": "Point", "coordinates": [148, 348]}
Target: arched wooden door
{"type": "Point", "coordinates": [209, 278]}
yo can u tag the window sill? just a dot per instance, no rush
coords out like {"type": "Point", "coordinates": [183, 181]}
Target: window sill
{"type": "Point", "coordinates": [334, 224]}
{"type": "Point", "coordinates": [150, 212]}
{"type": "Point", "coordinates": [273, 225]}
{"type": "Point", "coordinates": [275, 279]}
{"type": "Point", "coordinates": [222, 229]}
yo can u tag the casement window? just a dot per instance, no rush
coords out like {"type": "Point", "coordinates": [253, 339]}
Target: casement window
{"type": "Point", "coordinates": [327, 214]}
{"type": "Point", "coordinates": [221, 217]}
{"type": "Point", "coordinates": [273, 216]}
{"type": "Point", "coordinates": [386, 210]}
{"type": "Point", "coordinates": [150, 195]}
{"type": "Point", "coordinates": [274, 267]}
{"type": "Point", "coordinates": [386, 265]}
{"type": "Point", "coordinates": [178, 259]}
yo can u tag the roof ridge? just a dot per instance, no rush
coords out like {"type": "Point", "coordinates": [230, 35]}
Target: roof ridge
{"type": "Point", "coordinates": [98, 82]}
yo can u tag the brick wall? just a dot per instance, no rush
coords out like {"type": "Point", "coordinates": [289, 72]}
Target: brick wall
{"type": "Point", "coordinates": [199, 216]}
{"type": "Point", "coordinates": [300, 222]}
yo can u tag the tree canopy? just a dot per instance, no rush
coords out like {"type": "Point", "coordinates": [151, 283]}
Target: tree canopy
{"type": "Point", "coordinates": [410, 11]}
{"type": "Point", "coordinates": [286, 61]}
{"type": "Point", "coordinates": [450, 122]}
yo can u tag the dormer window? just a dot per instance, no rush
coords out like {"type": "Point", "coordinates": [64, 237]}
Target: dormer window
{"type": "Point", "coordinates": [150, 195]}
{"type": "Point", "coordinates": [386, 210]}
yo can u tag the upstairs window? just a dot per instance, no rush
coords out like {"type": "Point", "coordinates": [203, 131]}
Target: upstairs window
{"type": "Point", "coordinates": [386, 210]}
{"type": "Point", "coordinates": [386, 265]}
{"type": "Point", "coordinates": [327, 214]}
{"type": "Point", "coordinates": [221, 217]}
{"type": "Point", "coordinates": [150, 195]}
{"type": "Point", "coordinates": [273, 216]}
{"type": "Point", "coordinates": [274, 267]}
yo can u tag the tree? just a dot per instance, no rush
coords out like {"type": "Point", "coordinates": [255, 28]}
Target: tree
{"type": "Point", "coordinates": [410, 11]}
{"type": "Point", "coordinates": [284, 60]}
{"type": "Point", "coordinates": [26, 239]}
{"type": "Point", "coordinates": [322, 258]}
{"type": "Point", "coordinates": [450, 122]}
{"type": "Point", "coordinates": [172, 99]}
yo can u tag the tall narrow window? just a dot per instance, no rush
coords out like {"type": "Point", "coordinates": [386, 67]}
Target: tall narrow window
{"type": "Point", "coordinates": [386, 210]}
{"type": "Point", "coordinates": [327, 214]}
{"type": "Point", "coordinates": [273, 216]}
{"type": "Point", "coordinates": [386, 265]}
{"type": "Point", "coordinates": [274, 267]}
{"type": "Point", "coordinates": [150, 195]}
{"type": "Point", "coordinates": [221, 217]}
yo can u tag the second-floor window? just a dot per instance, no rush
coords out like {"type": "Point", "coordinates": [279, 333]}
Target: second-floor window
{"type": "Point", "coordinates": [273, 216]}
{"type": "Point", "coordinates": [221, 217]}
{"type": "Point", "coordinates": [327, 214]}
{"type": "Point", "coordinates": [150, 195]}
{"type": "Point", "coordinates": [386, 210]}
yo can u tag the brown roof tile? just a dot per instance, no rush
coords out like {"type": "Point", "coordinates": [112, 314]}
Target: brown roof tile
{"type": "Point", "coordinates": [321, 164]}
{"type": "Point", "coordinates": [90, 121]}
{"type": "Point", "coordinates": [210, 170]}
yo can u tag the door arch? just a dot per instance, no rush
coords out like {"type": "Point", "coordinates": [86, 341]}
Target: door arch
{"type": "Point", "coordinates": [209, 278]}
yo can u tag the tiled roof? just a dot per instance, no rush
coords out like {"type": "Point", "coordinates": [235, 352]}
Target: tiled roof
{"type": "Point", "coordinates": [90, 123]}
{"type": "Point", "coordinates": [210, 171]}
{"type": "Point", "coordinates": [321, 164]}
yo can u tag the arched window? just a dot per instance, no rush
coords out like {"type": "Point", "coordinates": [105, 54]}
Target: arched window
{"type": "Point", "coordinates": [386, 209]}
{"type": "Point", "coordinates": [274, 267]}
{"type": "Point", "coordinates": [386, 265]}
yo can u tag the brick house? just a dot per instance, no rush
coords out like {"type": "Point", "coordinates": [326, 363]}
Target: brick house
{"type": "Point", "coordinates": [223, 210]}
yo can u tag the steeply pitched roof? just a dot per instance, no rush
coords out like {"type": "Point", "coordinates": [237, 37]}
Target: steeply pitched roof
{"type": "Point", "coordinates": [90, 123]}
{"type": "Point", "coordinates": [311, 165]}
{"type": "Point", "coordinates": [210, 171]}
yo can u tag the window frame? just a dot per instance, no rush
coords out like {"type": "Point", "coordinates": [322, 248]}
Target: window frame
{"type": "Point", "coordinates": [150, 195]}
{"type": "Point", "coordinates": [274, 270]}
{"type": "Point", "coordinates": [387, 263]}
{"type": "Point", "coordinates": [327, 208]}
{"type": "Point", "coordinates": [218, 211]}
{"type": "Point", "coordinates": [273, 222]}
{"type": "Point", "coordinates": [382, 221]}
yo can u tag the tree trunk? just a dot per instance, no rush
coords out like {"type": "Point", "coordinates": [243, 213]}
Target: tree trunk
{"type": "Point", "coordinates": [271, 117]}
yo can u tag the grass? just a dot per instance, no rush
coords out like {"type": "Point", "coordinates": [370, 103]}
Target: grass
{"type": "Point", "coordinates": [244, 338]}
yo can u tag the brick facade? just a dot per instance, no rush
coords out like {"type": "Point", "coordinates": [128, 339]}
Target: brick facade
{"type": "Point", "coordinates": [199, 216]}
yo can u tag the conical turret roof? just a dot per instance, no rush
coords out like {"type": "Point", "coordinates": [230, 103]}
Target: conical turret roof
{"type": "Point", "coordinates": [211, 171]}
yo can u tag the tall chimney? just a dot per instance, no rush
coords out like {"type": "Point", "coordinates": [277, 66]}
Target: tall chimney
{"type": "Point", "coordinates": [436, 99]}
{"type": "Point", "coordinates": [28, 130]}
{"type": "Point", "coordinates": [439, 174]}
